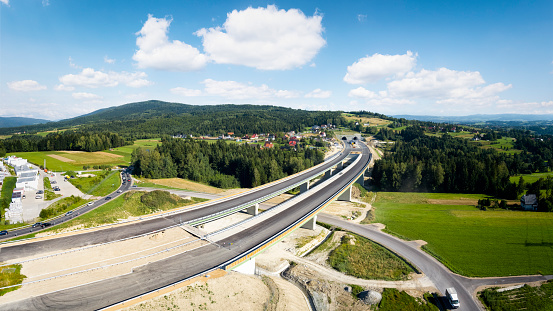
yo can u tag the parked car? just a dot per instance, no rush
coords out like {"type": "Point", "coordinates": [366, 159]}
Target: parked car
{"type": "Point", "coordinates": [39, 192]}
{"type": "Point", "coordinates": [128, 180]}
{"type": "Point", "coordinates": [53, 182]}
{"type": "Point", "coordinates": [38, 224]}
{"type": "Point", "coordinates": [38, 197]}
{"type": "Point", "coordinates": [3, 232]}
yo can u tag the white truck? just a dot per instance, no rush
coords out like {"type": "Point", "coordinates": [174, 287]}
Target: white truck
{"type": "Point", "coordinates": [451, 295]}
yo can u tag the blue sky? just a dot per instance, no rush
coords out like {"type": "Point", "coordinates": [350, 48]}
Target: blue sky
{"type": "Point", "coordinates": [60, 59]}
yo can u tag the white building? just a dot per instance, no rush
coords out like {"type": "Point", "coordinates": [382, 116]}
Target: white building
{"type": "Point", "coordinates": [22, 169]}
{"type": "Point", "coordinates": [15, 161]}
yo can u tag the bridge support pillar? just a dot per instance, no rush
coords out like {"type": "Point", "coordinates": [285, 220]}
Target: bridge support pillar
{"type": "Point", "coordinates": [304, 187]}
{"type": "Point", "coordinates": [254, 209]}
{"type": "Point", "coordinates": [346, 195]}
{"type": "Point", "coordinates": [361, 180]}
{"type": "Point", "coordinates": [248, 267]}
{"type": "Point", "coordinates": [340, 165]}
{"type": "Point", "coordinates": [328, 174]}
{"type": "Point", "coordinates": [310, 224]}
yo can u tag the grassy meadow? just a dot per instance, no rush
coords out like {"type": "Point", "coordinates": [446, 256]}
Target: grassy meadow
{"type": "Point", "coordinates": [60, 161]}
{"type": "Point", "coordinates": [531, 178]}
{"type": "Point", "coordinates": [104, 183]}
{"type": "Point", "coordinates": [469, 241]}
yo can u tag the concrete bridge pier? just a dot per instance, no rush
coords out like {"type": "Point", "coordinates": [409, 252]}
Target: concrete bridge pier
{"type": "Point", "coordinates": [310, 224]}
{"type": "Point", "coordinates": [345, 196]}
{"type": "Point", "coordinates": [248, 267]}
{"type": "Point", "coordinates": [253, 210]}
{"type": "Point", "coordinates": [327, 174]}
{"type": "Point", "coordinates": [304, 187]}
{"type": "Point", "coordinates": [340, 165]}
{"type": "Point", "coordinates": [361, 180]}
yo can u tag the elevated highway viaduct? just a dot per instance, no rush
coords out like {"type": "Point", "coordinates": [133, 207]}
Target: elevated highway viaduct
{"type": "Point", "coordinates": [227, 253]}
{"type": "Point", "coordinates": [196, 215]}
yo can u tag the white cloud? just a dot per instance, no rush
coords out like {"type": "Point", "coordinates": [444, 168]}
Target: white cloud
{"type": "Point", "coordinates": [109, 60]}
{"type": "Point", "coordinates": [237, 90]}
{"type": "Point", "coordinates": [361, 92]}
{"type": "Point", "coordinates": [25, 86]}
{"type": "Point", "coordinates": [61, 87]}
{"type": "Point", "coordinates": [373, 68]}
{"type": "Point", "coordinates": [318, 93]}
{"type": "Point", "coordinates": [186, 92]}
{"type": "Point", "coordinates": [361, 17]}
{"type": "Point", "coordinates": [265, 38]}
{"type": "Point", "coordinates": [6, 2]}
{"type": "Point", "coordinates": [156, 51]}
{"type": "Point", "coordinates": [72, 64]}
{"type": "Point", "coordinates": [444, 84]}
{"type": "Point", "coordinates": [45, 2]}
{"type": "Point", "coordinates": [91, 78]}
{"type": "Point", "coordinates": [86, 96]}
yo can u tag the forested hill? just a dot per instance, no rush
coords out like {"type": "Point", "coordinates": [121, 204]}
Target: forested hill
{"type": "Point", "coordinates": [155, 118]}
{"type": "Point", "coordinates": [17, 121]}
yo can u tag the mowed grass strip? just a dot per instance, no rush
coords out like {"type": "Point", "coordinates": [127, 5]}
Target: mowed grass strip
{"type": "Point", "coordinates": [362, 258]}
{"type": "Point", "coordinates": [130, 204]}
{"type": "Point", "coordinates": [469, 241]}
{"type": "Point", "coordinates": [179, 183]}
{"type": "Point", "coordinates": [530, 178]}
{"type": "Point", "coordinates": [393, 299]}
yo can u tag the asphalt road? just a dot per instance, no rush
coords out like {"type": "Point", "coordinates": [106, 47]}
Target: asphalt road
{"type": "Point", "coordinates": [112, 234]}
{"type": "Point", "coordinates": [438, 273]}
{"type": "Point", "coordinates": [165, 272]}
{"type": "Point", "coordinates": [14, 233]}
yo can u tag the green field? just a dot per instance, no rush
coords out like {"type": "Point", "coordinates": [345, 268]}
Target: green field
{"type": "Point", "coordinates": [61, 161]}
{"type": "Point", "coordinates": [132, 203]}
{"type": "Point", "coordinates": [469, 241]}
{"type": "Point", "coordinates": [505, 142]}
{"type": "Point", "coordinates": [530, 178]}
{"type": "Point", "coordinates": [104, 183]}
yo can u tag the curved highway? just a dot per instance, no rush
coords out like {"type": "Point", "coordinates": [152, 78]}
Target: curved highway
{"type": "Point", "coordinates": [8, 252]}
{"type": "Point", "coordinates": [179, 267]}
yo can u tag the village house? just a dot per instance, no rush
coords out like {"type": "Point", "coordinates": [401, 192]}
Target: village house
{"type": "Point", "coordinates": [529, 202]}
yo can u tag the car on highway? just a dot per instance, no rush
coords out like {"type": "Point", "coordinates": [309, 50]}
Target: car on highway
{"type": "Point", "coordinates": [38, 224]}
{"type": "Point", "coordinates": [38, 197]}
{"type": "Point", "coordinates": [119, 191]}
{"type": "Point", "coordinates": [68, 213]}
{"type": "Point", "coordinates": [128, 180]}
{"type": "Point", "coordinates": [90, 203]}
{"type": "Point", "coordinates": [108, 198]}
{"type": "Point", "coordinates": [46, 224]}
{"type": "Point", "coordinates": [3, 232]}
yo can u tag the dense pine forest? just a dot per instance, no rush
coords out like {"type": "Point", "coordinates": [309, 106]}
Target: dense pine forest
{"type": "Point", "coordinates": [221, 164]}
{"type": "Point", "coordinates": [67, 140]}
{"type": "Point", "coordinates": [418, 162]}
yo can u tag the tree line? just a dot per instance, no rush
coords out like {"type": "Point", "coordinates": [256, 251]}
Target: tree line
{"type": "Point", "coordinates": [221, 164]}
{"type": "Point", "coordinates": [418, 162]}
{"type": "Point", "coordinates": [66, 140]}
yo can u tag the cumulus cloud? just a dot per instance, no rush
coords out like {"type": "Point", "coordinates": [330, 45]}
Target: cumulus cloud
{"type": "Point", "coordinates": [26, 86]}
{"type": "Point", "coordinates": [61, 87]}
{"type": "Point", "coordinates": [186, 92]}
{"type": "Point", "coordinates": [86, 96]}
{"type": "Point", "coordinates": [446, 85]}
{"type": "Point", "coordinates": [6, 2]}
{"type": "Point", "coordinates": [318, 93]}
{"type": "Point", "coordinates": [361, 92]}
{"type": "Point", "coordinates": [156, 51]}
{"type": "Point", "coordinates": [373, 68]}
{"type": "Point", "coordinates": [237, 90]}
{"type": "Point", "coordinates": [265, 38]}
{"type": "Point", "coordinates": [91, 78]}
